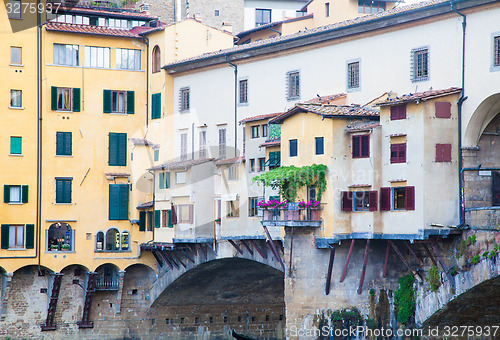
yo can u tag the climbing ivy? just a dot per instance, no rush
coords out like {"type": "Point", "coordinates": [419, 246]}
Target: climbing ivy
{"type": "Point", "coordinates": [405, 299]}
{"type": "Point", "coordinates": [289, 179]}
{"type": "Point", "coordinates": [346, 318]}
{"type": "Point", "coordinates": [434, 278]}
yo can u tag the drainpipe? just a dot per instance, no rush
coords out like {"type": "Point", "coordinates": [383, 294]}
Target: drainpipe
{"type": "Point", "coordinates": [460, 103]}
{"type": "Point", "coordinates": [235, 105]}
{"type": "Point", "coordinates": [146, 41]}
{"type": "Point", "coordinates": [272, 29]}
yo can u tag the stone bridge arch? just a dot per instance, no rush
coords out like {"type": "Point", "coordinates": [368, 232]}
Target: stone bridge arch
{"type": "Point", "coordinates": [482, 116]}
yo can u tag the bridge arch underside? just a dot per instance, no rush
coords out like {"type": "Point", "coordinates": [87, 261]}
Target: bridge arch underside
{"type": "Point", "coordinates": [479, 306]}
{"type": "Point", "coordinates": [220, 295]}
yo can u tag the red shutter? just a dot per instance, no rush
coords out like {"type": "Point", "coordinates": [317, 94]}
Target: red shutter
{"type": "Point", "coordinates": [385, 199]}
{"type": "Point", "coordinates": [443, 152]}
{"type": "Point", "coordinates": [394, 153]}
{"type": "Point", "coordinates": [402, 153]}
{"type": "Point", "coordinates": [173, 215]}
{"type": "Point", "coordinates": [346, 202]}
{"type": "Point", "coordinates": [398, 112]}
{"type": "Point", "coordinates": [410, 198]}
{"type": "Point", "coordinates": [443, 109]}
{"type": "Point", "coordinates": [394, 112]}
{"type": "Point", "coordinates": [373, 200]}
{"type": "Point", "coordinates": [191, 214]}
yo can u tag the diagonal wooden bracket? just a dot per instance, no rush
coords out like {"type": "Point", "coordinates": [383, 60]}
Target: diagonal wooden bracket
{"type": "Point", "coordinates": [236, 246]}
{"type": "Point", "coordinates": [330, 269]}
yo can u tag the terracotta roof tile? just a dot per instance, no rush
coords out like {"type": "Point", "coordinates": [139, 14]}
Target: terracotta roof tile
{"type": "Point", "coordinates": [145, 205]}
{"type": "Point", "coordinates": [88, 29]}
{"type": "Point", "coordinates": [329, 111]}
{"type": "Point", "coordinates": [260, 117]}
{"type": "Point", "coordinates": [181, 164]}
{"type": "Point", "coordinates": [117, 174]}
{"type": "Point", "coordinates": [118, 12]}
{"type": "Point", "coordinates": [364, 127]}
{"type": "Point", "coordinates": [325, 99]}
{"type": "Point", "coordinates": [271, 143]}
{"type": "Point", "coordinates": [412, 97]}
{"type": "Point", "coordinates": [230, 160]}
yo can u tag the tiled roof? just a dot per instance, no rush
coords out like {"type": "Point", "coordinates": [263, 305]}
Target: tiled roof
{"type": "Point", "coordinates": [230, 160]}
{"type": "Point", "coordinates": [140, 141]}
{"type": "Point", "coordinates": [88, 29]}
{"type": "Point", "coordinates": [181, 164]}
{"type": "Point", "coordinates": [119, 12]}
{"type": "Point", "coordinates": [313, 31]}
{"type": "Point", "coordinates": [412, 97]}
{"type": "Point", "coordinates": [243, 34]}
{"type": "Point", "coordinates": [260, 117]}
{"type": "Point", "coordinates": [365, 127]}
{"type": "Point", "coordinates": [325, 99]}
{"type": "Point", "coordinates": [353, 111]}
{"type": "Point", "coordinates": [270, 143]}
{"type": "Point", "coordinates": [117, 174]}
{"type": "Point", "coordinates": [145, 205]}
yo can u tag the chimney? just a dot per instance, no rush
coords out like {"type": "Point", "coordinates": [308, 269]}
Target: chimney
{"type": "Point", "coordinates": [392, 95]}
{"type": "Point", "coordinates": [197, 17]}
{"type": "Point", "coordinates": [226, 26]}
{"type": "Point", "coordinates": [144, 8]}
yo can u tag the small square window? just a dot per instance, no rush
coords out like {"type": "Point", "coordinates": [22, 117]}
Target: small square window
{"type": "Point", "coordinates": [16, 145]}
{"type": "Point", "coordinates": [319, 145]}
{"type": "Point", "coordinates": [185, 100]}
{"type": "Point", "coordinates": [255, 131]}
{"type": "Point", "coordinates": [398, 112]}
{"type": "Point", "coordinates": [251, 167]}
{"type": "Point", "coordinates": [15, 55]}
{"type": "Point", "coordinates": [262, 16]}
{"type": "Point", "coordinates": [443, 152]}
{"type": "Point", "coordinates": [217, 13]}
{"type": "Point", "coordinates": [353, 75]}
{"type": "Point", "coordinates": [180, 177]}
{"type": "Point", "coordinates": [398, 153]}
{"type": "Point", "coordinates": [360, 146]}
{"type": "Point", "coordinates": [293, 148]}
{"type": "Point", "coordinates": [420, 61]}
{"type": "Point", "coordinates": [244, 91]}
{"type": "Point", "coordinates": [264, 130]}
{"type": "Point", "coordinates": [16, 98]}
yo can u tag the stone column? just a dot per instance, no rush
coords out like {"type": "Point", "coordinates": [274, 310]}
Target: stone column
{"type": "Point", "coordinates": [118, 304]}
{"type": "Point", "coordinates": [6, 281]}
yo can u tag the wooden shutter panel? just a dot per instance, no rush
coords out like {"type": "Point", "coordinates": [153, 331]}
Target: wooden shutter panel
{"type": "Point", "coordinates": [346, 201]}
{"type": "Point", "coordinates": [410, 198]}
{"type": "Point", "coordinates": [130, 102]}
{"type": "Point", "coordinates": [25, 192]}
{"type": "Point", "coordinates": [355, 147]}
{"type": "Point", "coordinates": [6, 193]}
{"type": "Point", "coordinates": [170, 224]}
{"type": "Point", "coordinates": [123, 201]}
{"type": "Point", "coordinates": [385, 199]}
{"type": "Point", "coordinates": [68, 142]}
{"type": "Point", "coordinates": [173, 215]}
{"type": "Point", "coordinates": [157, 218]}
{"type": "Point", "coordinates": [5, 236]}
{"type": "Point", "coordinates": [122, 149]}
{"type": "Point", "coordinates": [76, 100]}
{"type": "Point", "coordinates": [142, 221]}
{"type": "Point", "coordinates": [373, 200]}
{"type": "Point", "coordinates": [443, 109]}
{"type": "Point", "coordinates": [191, 214]}
{"type": "Point", "coordinates": [67, 191]}
{"type": "Point", "coordinates": [114, 206]}
{"type": "Point", "coordinates": [113, 149]}
{"type": "Point", "coordinates": [53, 98]}
{"type": "Point", "coordinates": [365, 146]}
{"type": "Point", "coordinates": [59, 143]}
{"type": "Point", "coordinates": [106, 101]}
{"type": "Point", "coordinates": [394, 153]}
{"type": "Point", "coordinates": [402, 153]}
{"type": "Point", "coordinates": [162, 180]}
{"type": "Point", "coordinates": [30, 236]}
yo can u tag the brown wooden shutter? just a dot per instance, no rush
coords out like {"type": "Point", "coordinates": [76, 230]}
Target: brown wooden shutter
{"type": "Point", "coordinates": [373, 200]}
{"type": "Point", "coordinates": [191, 214]}
{"type": "Point", "coordinates": [365, 146]}
{"type": "Point", "coordinates": [173, 215]}
{"type": "Point", "coordinates": [402, 153]}
{"type": "Point", "coordinates": [410, 198]}
{"type": "Point", "coordinates": [398, 112]}
{"type": "Point", "coordinates": [443, 152]}
{"type": "Point", "coordinates": [394, 153]}
{"type": "Point", "coordinates": [355, 147]}
{"type": "Point", "coordinates": [346, 201]}
{"type": "Point", "coordinates": [385, 199]}
{"type": "Point", "coordinates": [443, 109]}
{"type": "Point", "coordinates": [164, 221]}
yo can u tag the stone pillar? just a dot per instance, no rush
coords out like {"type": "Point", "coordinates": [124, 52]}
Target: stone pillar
{"type": "Point", "coordinates": [6, 281]}
{"type": "Point", "coordinates": [119, 293]}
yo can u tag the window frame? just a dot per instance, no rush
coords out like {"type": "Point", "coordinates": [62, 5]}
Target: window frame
{"type": "Point", "coordinates": [253, 209]}
{"type": "Point", "coordinates": [12, 10]}
{"type": "Point", "coordinates": [20, 99]}
{"type": "Point", "coordinates": [20, 143]}
{"type": "Point", "coordinates": [233, 209]}
{"type": "Point", "coordinates": [184, 99]}
{"type": "Point", "coordinates": [420, 68]}
{"type": "Point", "coordinates": [66, 150]}
{"type": "Point", "coordinates": [358, 152]}
{"type": "Point", "coordinates": [251, 165]}
{"type": "Point", "coordinates": [202, 152]}
{"type": "Point", "coordinates": [495, 52]}
{"type": "Point", "coordinates": [60, 95]}
{"type": "Point", "coordinates": [17, 188]}
{"type": "Point", "coordinates": [293, 148]}
{"type": "Point", "coordinates": [74, 55]}
{"type": "Point", "coordinates": [64, 200]}
{"type": "Point", "coordinates": [115, 95]}
{"type": "Point", "coordinates": [120, 139]}
{"type": "Point", "coordinates": [180, 211]}
{"type": "Point", "coordinates": [156, 59]}
{"type": "Point", "coordinates": [232, 173]}
{"type": "Point", "coordinates": [362, 8]}
{"type": "Point", "coordinates": [353, 76]}
{"type": "Point", "coordinates": [16, 48]}
{"type": "Point", "coordinates": [365, 201]}
{"type": "Point", "coordinates": [255, 131]}
{"type": "Point", "coordinates": [398, 112]}
{"type": "Point", "coordinates": [102, 56]}
{"type": "Point", "coordinates": [119, 57]}
{"type": "Point", "coordinates": [243, 91]}
{"type": "Point", "coordinates": [183, 145]}
{"type": "Point", "coordinates": [316, 149]}
{"type": "Point", "coordinates": [293, 85]}
{"type": "Point", "coordinates": [260, 16]}
{"type": "Point", "coordinates": [23, 241]}
{"type": "Point", "coordinates": [222, 142]}
{"type": "Point", "coordinates": [327, 9]}
{"type": "Point", "coordinates": [261, 163]}
{"type": "Point", "coordinates": [264, 130]}
{"type": "Point", "coordinates": [398, 148]}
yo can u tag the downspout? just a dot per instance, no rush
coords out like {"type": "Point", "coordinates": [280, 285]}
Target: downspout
{"type": "Point", "coordinates": [460, 103]}
{"type": "Point", "coordinates": [272, 29]}
{"type": "Point", "coordinates": [235, 106]}
{"type": "Point", "coordinates": [146, 41]}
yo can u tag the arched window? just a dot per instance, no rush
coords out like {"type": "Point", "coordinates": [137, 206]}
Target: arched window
{"type": "Point", "coordinates": [60, 237]}
{"type": "Point", "coordinates": [125, 240]}
{"type": "Point", "coordinates": [156, 59]}
{"type": "Point", "coordinates": [99, 241]}
{"type": "Point", "coordinates": [112, 239]}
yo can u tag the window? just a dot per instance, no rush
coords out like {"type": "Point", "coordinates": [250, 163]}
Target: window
{"type": "Point", "coordinates": [252, 206]}
{"type": "Point", "coordinates": [443, 109]}
{"type": "Point", "coordinates": [420, 64]}
{"type": "Point", "coordinates": [16, 98]}
{"type": "Point", "coordinates": [66, 55]}
{"type": "Point", "coordinates": [164, 179]}
{"type": "Point", "coordinates": [156, 106]}
{"type": "Point", "coordinates": [112, 240]}
{"type": "Point", "coordinates": [125, 240]}
{"type": "Point", "coordinates": [118, 201]}
{"type": "Point", "coordinates": [16, 145]}
{"type": "Point", "coordinates": [262, 161]}
{"type": "Point", "coordinates": [99, 241]}
{"type": "Point", "coordinates": [262, 16]}
{"type": "Point", "coordinates": [222, 143]}
{"type": "Point", "coordinates": [495, 188]}
{"type": "Point", "coordinates": [18, 236]}
{"type": "Point", "coordinates": [63, 190]}
{"type": "Point", "coordinates": [369, 6]}
{"type": "Point", "coordinates": [97, 57]}
{"type": "Point", "coordinates": [128, 59]}
{"type": "Point", "coordinates": [64, 144]}
{"type": "Point", "coordinates": [65, 99]}
{"type": "Point", "coordinates": [398, 153]}
{"type": "Point", "coordinates": [14, 9]}
{"type": "Point", "coordinates": [251, 166]}
{"type": "Point", "coordinates": [359, 201]}
{"type": "Point", "coordinates": [244, 91]}
{"type": "Point", "coordinates": [293, 148]}
{"type": "Point", "coordinates": [203, 144]}
{"type": "Point", "coordinates": [166, 219]}
{"type": "Point", "coordinates": [496, 51]}
{"type": "Point", "coordinates": [16, 55]}
{"type": "Point", "coordinates": [398, 112]}
{"type": "Point", "coordinates": [353, 75]}
{"type": "Point", "coordinates": [255, 131]}
{"type": "Point", "coordinates": [185, 213]}
{"type": "Point", "coordinates": [360, 146]}
{"type": "Point", "coordinates": [180, 177]}
{"type": "Point", "coordinates": [149, 224]}
{"type": "Point", "coordinates": [299, 13]}
{"type": "Point", "coordinates": [117, 149]}
{"type": "Point", "coordinates": [15, 193]}
{"type": "Point", "coordinates": [397, 198]}
{"type": "Point", "coordinates": [184, 99]}
{"type": "Point", "coordinates": [327, 9]}
{"type": "Point", "coordinates": [264, 130]}
{"type": "Point", "coordinates": [118, 101]}
{"type": "Point", "coordinates": [156, 59]}
{"type": "Point", "coordinates": [233, 209]}
{"type": "Point", "coordinates": [217, 13]}
{"type": "Point", "coordinates": [60, 237]}
{"type": "Point", "coordinates": [443, 152]}
{"type": "Point", "coordinates": [184, 138]}
{"type": "Point", "coordinates": [233, 172]}
{"type": "Point", "coordinates": [274, 160]}
{"type": "Point", "coordinates": [293, 85]}
{"type": "Point", "coordinates": [319, 145]}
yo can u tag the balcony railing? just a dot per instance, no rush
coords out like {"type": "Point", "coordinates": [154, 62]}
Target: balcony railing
{"type": "Point", "coordinates": [107, 283]}
{"type": "Point", "coordinates": [292, 217]}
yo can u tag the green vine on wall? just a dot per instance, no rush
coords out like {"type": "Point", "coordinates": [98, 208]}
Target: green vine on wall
{"type": "Point", "coordinates": [289, 179]}
{"type": "Point", "coordinates": [405, 299]}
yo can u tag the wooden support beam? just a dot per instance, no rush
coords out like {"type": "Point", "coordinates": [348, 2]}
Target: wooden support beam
{"type": "Point", "coordinates": [200, 245]}
{"type": "Point", "coordinates": [245, 244]}
{"type": "Point", "coordinates": [401, 257]}
{"type": "Point", "coordinates": [429, 254]}
{"type": "Point", "coordinates": [290, 263]}
{"type": "Point", "coordinates": [177, 258]}
{"type": "Point", "coordinates": [279, 246]}
{"type": "Point", "coordinates": [273, 248]}
{"type": "Point", "coordinates": [387, 249]}
{"type": "Point", "coordinates": [236, 246]}
{"type": "Point", "coordinates": [344, 271]}
{"type": "Point", "coordinates": [441, 261]}
{"type": "Point", "coordinates": [365, 262]}
{"type": "Point", "coordinates": [170, 259]}
{"type": "Point", "coordinates": [192, 249]}
{"type": "Point", "coordinates": [261, 252]}
{"type": "Point", "coordinates": [330, 269]}
{"type": "Point", "coordinates": [157, 257]}
{"type": "Point", "coordinates": [414, 254]}
{"type": "Point", "coordinates": [211, 248]}
{"type": "Point", "coordinates": [186, 255]}
{"type": "Point", "coordinates": [167, 259]}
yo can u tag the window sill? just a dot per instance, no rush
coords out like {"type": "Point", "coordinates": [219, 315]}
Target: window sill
{"type": "Point", "coordinates": [353, 89]}
{"type": "Point", "coordinates": [119, 113]}
{"type": "Point", "coordinates": [290, 99]}
{"type": "Point", "coordinates": [16, 154]}
{"type": "Point", "coordinates": [16, 249]}
{"type": "Point", "coordinates": [16, 18]}
{"type": "Point", "coordinates": [243, 104]}
{"type": "Point", "coordinates": [63, 111]}
{"type": "Point", "coordinates": [15, 203]}
{"type": "Point", "coordinates": [17, 65]}
{"type": "Point", "coordinates": [67, 156]}
{"type": "Point", "coordinates": [60, 203]}
{"type": "Point", "coordinates": [112, 251]}
{"type": "Point", "coordinates": [16, 108]}
{"type": "Point", "coordinates": [183, 111]}
{"type": "Point", "coordinates": [60, 251]}
{"type": "Point", "coordinates": [495, 68]}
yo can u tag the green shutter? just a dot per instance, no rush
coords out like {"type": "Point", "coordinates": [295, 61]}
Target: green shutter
{"type": "Point", "coordinates": [16, 145]}
{"type": "Point", "coordinates": [5, 236]}
{"type": "Point", "coordinates": [123, 201]}
{"type": "Point", "coordinates": [63, 191]}
{"type": "Point", "coordinates": [122, 149]}
{"type": "Point", "coordinates": [6, 193]}
{"type": "Point", "coordinates": [142, 221]}
{"type": "Point", "coordinates": [106, 101]}
{"type": "Point", "coordinates": [117, 149]}
{"type": "Point", "coordinates": [59, 143]}
{"type": "Point", "coordinates": [162, 180]}
{"type": "Point", "coordinates": [64, 143]}
{"type": "Point", "coordinates": [113, 149]}
{"type": "Point", "coordinates": [59, 191]}
{"type": "Point", "coordinates": [114, 206]}
{"type": "Point", "coordinates": [170, 225]}
{"type": "Point", "coordinates": [156, 106]}
{"type": "Point", "coordinates": [30, 236]}
{"type": "Point", "coordinates": [157, 218]}
{"type": "Point", "coordinates": [53, 98]}
{"type": "Point", "coordinates": [25, 191]}
{"type": "Point", "coordinates": [76, 100]}
{"type": "Point", "coordinates": [67, 191]}
{"type": "Point", "coordinates": [130, 102]}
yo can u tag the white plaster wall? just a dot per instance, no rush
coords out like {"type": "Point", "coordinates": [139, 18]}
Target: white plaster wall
{"type": "Point", "coordinates": [279, 10]}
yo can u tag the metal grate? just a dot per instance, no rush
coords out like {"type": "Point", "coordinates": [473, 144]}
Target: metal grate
{"type": "Point", "coordinates": [353, 72]}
